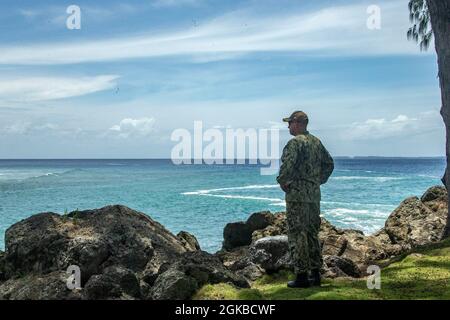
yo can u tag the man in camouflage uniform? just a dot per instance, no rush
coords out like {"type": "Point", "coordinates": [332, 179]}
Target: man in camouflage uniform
{"type": "Point", "coordinates": [306, 164]}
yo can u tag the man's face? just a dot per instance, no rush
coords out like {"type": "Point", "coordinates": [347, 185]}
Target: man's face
{"type": "Point", "coordinates": [293, 127]}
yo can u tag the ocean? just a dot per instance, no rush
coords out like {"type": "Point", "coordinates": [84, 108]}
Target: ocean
{"type": "Point", "coordinates": [202, 199]}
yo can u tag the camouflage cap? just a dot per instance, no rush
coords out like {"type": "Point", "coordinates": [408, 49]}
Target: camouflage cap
{"type": "Point", "coordinates": [297, 116]}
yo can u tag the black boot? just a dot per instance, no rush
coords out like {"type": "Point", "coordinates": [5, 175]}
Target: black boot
{"type": "Point", "coordinates": [301, 281]}
{"type": "Point", "coordinates": [315, 277]}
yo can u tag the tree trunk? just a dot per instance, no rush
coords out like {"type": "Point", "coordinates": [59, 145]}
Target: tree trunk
{"type": "Point", "coordinates": [440, 22]}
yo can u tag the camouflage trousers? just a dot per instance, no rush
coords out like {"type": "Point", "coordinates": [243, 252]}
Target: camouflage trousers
{"type": "Point", "coordinates": [303, 224]}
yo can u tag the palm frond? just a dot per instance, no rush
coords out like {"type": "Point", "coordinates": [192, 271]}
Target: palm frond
{"type": "Point", "coordinates": [420, 31]}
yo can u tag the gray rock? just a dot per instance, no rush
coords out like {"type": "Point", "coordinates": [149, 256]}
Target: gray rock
{"type": "Point", "coordinates": [188, 240]}
{"type": "Point", "coordinates": [240, 233]}
{"type": "Point", "coordinates": [115, 248]}
{"type": "Point", "coordinates": [341, 267]}
{"type": "Point", "coordinates": [114, 283]}
{"type": "Point", "coordinates": [260, 220]}
{"type": "Point", "coordinates": [207, 268]}
{"type": "Point", "coordinates": [92, 239]}
{"type": "Point", "coordinates": [271, 253]}
{"type": "Point", "coordinates": [414, 223]}
{"type": "Point", "coordinates": [2, 267]}
{"type": "Point", "coordinates": [436, 193]}
{"type": "Point", "coordinates": [173, 285]}
{"type": "Point", "coordinates": [236, 234]}
{"type": "Point", "coordinates": [191, 272]}
{"type": "Point", "coordinates": [52, 286]}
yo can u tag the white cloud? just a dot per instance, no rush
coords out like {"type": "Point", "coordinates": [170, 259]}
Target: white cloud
{"type": "Point", "coordinates": [134, 127]}
{"type": "Point", "coordinates": [50, 88]}
{"type": "Point", "coordinates": [401, 125]}
{"type": "Point", "coordinates": [27, 127]}
{"type": "Point", "coordinates": [339, 31]}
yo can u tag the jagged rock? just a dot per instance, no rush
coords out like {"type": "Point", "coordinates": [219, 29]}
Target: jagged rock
{"type": "Point", "coordinates": [145, 289]}
{"type": "Point", "coordinates": [265, 255]}
{"type": "Point", "coordinates": [340, 267]}
{"type": "Point", "coordinates": [436, 193]}
{"type": "Point", "coordinates": [173, 285]}
{"type": "Point", "coordinates": [188, 240]}
{"type": "Point", "coordinates": [207, 268]}
{"type": "Point", "coordinates": [241, 233]}
{"type": "Point", "coordinates": [251, 271]}
{"type": "Point", "coordinates": [231, 257]}
{"type": "Point", "coordinates": [414, 223]}
{"type": "Point", "coordinates": [190, 272]}
{"type": "Point", "coordinates": [271, 253]}
{"type": "Point", "coordinates": [277, 227]}
{"type": "Point", "coordinates": [236, 234]}
{"type": "Point", "coordinates": [116, 248]}
{"type": "Point", "coordinates": [114, 283]}
{"type": "Point", "coordinates": [153, 270]}
{"type": "Point", "coordinates": [260, 220]}
{"type": "Point", "coordinates": [52, 286]}
{"type": "Point", "coordinates": [2, 267]}
{"type": "Point", "coordinates": [91, 239]}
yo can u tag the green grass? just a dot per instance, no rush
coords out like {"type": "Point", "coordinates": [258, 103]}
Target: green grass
{"type": "Point", "coordinates": [421, 274]}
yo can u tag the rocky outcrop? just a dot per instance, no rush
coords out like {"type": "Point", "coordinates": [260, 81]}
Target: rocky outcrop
{"type": "Point", "coordinates": [189, 241]}
{"type": "Point", "coordinates": [92, 239]}
{"type": "Point", "coordinates": [346, 252]}
{"type": "Point", "coordinates": [237, 234]}
{"type": "Point", "coordinates": [190, 272]}
{"type": "Point", "coordinates": [121, 254]}
{"type": "Point", "coordinates": [336, 266]}
{"type": "Point", "coordinates": [2, 266]}
{"type": "Point", "coordinates": [51, 286]}
{"type": "Point", "coordinates": [114, 282]}
{"type": "Point", "coordinates": [418, 221]}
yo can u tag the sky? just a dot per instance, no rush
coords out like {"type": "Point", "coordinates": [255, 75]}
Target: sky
{"type": "Point", "coordinates": [136, 71]}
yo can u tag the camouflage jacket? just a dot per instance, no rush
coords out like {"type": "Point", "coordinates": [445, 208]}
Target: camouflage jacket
{"type": "Point", "coordinates": [306, 164]}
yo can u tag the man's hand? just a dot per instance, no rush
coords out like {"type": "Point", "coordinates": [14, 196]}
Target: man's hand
{"type": "Point", "coordinates": [284, 187]}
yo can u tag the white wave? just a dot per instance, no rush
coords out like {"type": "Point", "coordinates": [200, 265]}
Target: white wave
{"type": "Point", "coordinates": [209, 193]}
{"type": "Point", "coordinates": [250, 187]}
{"type": "Point", "coordinates": [18, 175]}
{"type": "Point", "coordinates": [377, 179]}
{"type": "Point", "coordinates": [279, 204]}
{"type": "Point", "coordinates": [346, 212]}
{"type": "Point", "coordinates": [229, 196]}
{"type": "Point", "coordinates": [49, 174]}
{"type": "Point", "coordinates": [360, 204]}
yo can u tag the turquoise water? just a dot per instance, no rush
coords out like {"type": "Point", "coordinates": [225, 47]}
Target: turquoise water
{"type": "Point", "coordinates": [201, 199]}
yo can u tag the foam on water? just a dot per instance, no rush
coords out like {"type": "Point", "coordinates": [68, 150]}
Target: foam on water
{"type": "Point", "coordinates": [209, 193]}
{"type": "Point", "coordinates": [203, 192]}
{"type": "Point", "coordinates": [377, 179]}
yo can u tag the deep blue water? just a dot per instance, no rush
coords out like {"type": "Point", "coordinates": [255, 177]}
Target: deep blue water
{"type": "Point", "coordinates": [201, 199]}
